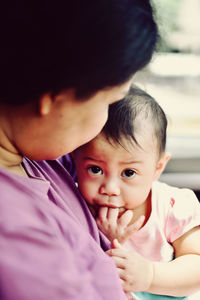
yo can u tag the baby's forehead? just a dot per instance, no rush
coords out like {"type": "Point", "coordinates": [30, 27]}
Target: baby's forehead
{"type": "Point", "coordinates": [101, 143]}
{"type": "Point", "coordinates": [145, 140]}
{"type": "Point", "coordinates": [104, 151]}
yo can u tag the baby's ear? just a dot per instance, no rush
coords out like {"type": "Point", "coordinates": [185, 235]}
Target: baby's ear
{"type": "Point", "coordinates": [161, 164]}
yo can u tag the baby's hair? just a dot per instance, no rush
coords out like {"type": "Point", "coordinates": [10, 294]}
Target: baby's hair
{"type": "Point", "coordinates": [127, 116]}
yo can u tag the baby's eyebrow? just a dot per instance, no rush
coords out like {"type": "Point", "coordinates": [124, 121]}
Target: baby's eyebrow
{"type": "Point", "coordinates": [93, 159]}
{"type": "Point", "coordinates": [131, 162]}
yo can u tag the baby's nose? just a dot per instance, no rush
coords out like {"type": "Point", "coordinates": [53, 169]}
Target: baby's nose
{"type": "Point", "coordinates": [110, 188]}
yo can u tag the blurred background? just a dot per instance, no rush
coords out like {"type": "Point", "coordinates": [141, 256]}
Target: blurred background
{"type": "Point", "coordinates": [173, 79]}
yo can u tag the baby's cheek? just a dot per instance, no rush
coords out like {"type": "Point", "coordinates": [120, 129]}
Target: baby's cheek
{"type": "Point", "coordinates": [88, 192]}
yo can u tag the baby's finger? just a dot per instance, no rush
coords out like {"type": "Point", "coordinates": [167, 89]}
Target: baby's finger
{"type": "Point", "coordinates": [127, 286]}
{"type": "Point", "coordinates": [102, 214]}
{"type": "Point", "coordinates": [125, 218]}
{"type": "Point", "coordinates": [116, 245]}
{"type": "Point", "coordinates": [112, 215]}
{"type": "Point", "coordinates": [120, 252]}
{"type": "Point", "coordinates": [122, 273]}
{"type": "Point", "coordinates": [123, 283]}
{"type": "Point", "coordinates": [119, 262]}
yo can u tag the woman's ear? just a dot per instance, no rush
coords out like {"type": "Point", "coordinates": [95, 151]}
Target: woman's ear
{"type": "Point", "coordinates": [161, 164]}
{"type": "Point", "coordinates": [45, 104]}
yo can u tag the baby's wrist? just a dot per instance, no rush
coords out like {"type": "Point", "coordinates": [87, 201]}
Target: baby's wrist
{"type": "Point", "coordinates": [151, 275]}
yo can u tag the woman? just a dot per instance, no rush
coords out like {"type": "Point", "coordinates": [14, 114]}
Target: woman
{"type": "Point", "coordinates": [62, 63]}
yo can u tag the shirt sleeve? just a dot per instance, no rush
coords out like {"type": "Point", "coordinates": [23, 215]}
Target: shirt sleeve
{"type": "Point", "coordinates": [183, 214]}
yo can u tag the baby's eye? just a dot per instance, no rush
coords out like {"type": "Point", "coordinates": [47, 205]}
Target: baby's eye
{"type": "Point", "coordinates": [128, 173]}
{"type": "Point", "coordinates": [95, 170]}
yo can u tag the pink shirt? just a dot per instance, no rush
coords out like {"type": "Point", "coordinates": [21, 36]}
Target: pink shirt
{"type": "Point", "coordinates": [174, 212]}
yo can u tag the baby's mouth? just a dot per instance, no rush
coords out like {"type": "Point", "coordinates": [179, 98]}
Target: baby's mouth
{"type": "Point", "coordinates": [121, 209]}
{"type": "Point", "coordinates": [96, 205]}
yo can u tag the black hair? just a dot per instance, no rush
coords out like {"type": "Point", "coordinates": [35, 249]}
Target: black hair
{"type": "Point", "coordinates": [126, 118]}
{"type": "Point", "coordinates": [49, 46]}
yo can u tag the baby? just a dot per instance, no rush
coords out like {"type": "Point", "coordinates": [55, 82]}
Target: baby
{"type": "Point", "coordinates": [153, 227]}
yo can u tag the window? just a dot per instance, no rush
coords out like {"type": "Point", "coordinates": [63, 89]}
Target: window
{"type": "Point", "coordinates": [173, 79]}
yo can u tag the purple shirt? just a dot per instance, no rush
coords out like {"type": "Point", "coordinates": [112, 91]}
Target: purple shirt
{"type": "Point", "coordinates": [49, 242]}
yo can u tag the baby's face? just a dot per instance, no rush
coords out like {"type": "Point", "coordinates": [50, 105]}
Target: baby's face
{"type": "Point", "coordinates": [108, 175]}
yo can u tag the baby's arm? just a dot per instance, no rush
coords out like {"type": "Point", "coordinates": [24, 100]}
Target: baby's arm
{"type": "Point", "coordinates": [180, 277]}
{"type": "Point", "coordinates": [135, 272]}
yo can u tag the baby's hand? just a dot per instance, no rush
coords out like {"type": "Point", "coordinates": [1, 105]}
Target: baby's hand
{"type": "Point", "coordinates": [116, 225]}
{"type": "Point", "coordinates": [135, 272]}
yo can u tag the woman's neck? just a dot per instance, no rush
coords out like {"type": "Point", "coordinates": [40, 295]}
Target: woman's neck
{"type": "Point", "coordinates": [11, 161]}
{"type": "Point", "coordinates": [10, 158]}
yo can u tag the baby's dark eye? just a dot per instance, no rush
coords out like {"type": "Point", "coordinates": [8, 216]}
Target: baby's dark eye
{"type": "Point", "coordinates": [95, 170]}
{"type": "Point", "coordinates": [128, 173]}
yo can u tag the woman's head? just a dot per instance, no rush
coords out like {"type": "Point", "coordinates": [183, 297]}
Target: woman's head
{"type": "Point", "coordinates": [49, 46]}
{"type": "Point", "coordinates": [58, 125]}
{"type": "Point", "coordinates": [61, 65]}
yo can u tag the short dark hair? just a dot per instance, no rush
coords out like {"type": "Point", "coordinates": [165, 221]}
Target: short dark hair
{"type": "Point", "coordinates": [127, 116]}
{"type": "Point", "coordinates": [49, 46]}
